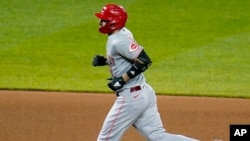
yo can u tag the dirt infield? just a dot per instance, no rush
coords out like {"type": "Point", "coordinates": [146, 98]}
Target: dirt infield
{"type": "Point", "coordinates": [57, 116]}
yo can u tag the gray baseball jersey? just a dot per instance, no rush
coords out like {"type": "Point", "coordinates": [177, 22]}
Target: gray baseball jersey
{"type": "Point", "coordinates": [121, 50]}
{"type": "Point", "coordinates": [136, 104]}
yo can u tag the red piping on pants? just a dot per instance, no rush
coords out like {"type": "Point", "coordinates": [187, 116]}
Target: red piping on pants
{"type": "Point", "coordinates": [116, 117]}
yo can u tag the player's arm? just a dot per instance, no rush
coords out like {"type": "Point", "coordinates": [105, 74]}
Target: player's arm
{"type": "Point", "coordinates": [141, 64]}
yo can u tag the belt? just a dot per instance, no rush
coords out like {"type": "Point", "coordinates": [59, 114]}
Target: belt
{"type": "Point", "coordinates": [132, 89]}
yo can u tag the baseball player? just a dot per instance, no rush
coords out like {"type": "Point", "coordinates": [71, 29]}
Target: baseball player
{"type": "Point", "coordinates": [135, 104]}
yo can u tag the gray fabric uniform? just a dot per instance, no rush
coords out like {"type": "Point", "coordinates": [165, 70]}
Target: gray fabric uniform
{"type": "Point", "coordinates": [121, 51]}
{"type": "Point", "coordinates": [133, 107]}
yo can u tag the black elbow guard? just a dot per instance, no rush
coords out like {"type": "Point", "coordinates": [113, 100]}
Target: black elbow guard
{"type": "Point", "coordinates": [142, 62]}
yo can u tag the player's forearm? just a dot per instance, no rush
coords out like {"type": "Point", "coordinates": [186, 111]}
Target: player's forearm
{"type": "Point", "coordinates": [125, 77]}
{"type": "Point", "coordinates": [140, 65]}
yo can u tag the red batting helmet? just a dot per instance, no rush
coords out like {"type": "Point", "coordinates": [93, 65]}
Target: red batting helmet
{"type": "Point", "coordinates": [115, 16]}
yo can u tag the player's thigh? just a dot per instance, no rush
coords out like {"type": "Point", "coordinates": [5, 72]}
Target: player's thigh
{"type": "Point", "coordinates": [123, 114]}
{"type": "Point", "coordinates": [149, 123]}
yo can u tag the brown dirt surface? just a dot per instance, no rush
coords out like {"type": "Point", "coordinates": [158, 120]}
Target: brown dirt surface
{"type": "Point", "coordinates": [64, 116]}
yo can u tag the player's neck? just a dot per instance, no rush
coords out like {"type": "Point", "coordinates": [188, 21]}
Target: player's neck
{"type": "Point", "coordinates": [114, 32]}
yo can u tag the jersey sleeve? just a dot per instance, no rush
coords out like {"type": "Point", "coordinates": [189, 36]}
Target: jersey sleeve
{"type": "Point", "coordinates": [128, 48]}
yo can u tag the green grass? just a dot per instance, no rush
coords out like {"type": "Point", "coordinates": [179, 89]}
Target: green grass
{"type": "Point", "coordinates": [197, 47]}
{"type": "Point", "coordinates": [220, 67]}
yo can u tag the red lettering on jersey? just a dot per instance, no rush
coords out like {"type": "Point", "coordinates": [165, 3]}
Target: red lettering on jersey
{"type": "Point", "coordinates": [110, 60]}
{"type": "Point", "coordinates": [133, 47]}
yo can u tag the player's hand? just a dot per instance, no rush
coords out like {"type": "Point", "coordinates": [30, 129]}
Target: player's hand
{"type": "Point", "coordinates": [116, 83]}
{"type": "Point", "coordinates": [99, 60]}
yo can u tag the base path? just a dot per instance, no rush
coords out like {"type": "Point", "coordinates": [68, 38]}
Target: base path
{"type": "Point", "coordinates": [63, 116]}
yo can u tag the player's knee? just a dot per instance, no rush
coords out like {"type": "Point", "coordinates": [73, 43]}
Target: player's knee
{"type": "Point", "coordinates": [155, 135]}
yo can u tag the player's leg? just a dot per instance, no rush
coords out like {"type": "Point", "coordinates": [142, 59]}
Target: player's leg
{"type": "Point", "coordinates": [149, 124]}
{"type": "Point", "coordinates": [120, 117]}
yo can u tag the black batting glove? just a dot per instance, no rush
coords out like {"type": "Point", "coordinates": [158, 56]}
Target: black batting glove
{"type": "Point", "coordinates": [99, 60]}
{"type": "Point", "coordinates": [116, 83]}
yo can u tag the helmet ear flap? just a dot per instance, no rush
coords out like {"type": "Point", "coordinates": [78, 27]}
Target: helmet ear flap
{"type": "Point", "coordinates": [112, 25]}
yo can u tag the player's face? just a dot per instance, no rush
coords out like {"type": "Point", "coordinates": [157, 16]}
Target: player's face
{"type": "Point", "coordinates": [102, 23]}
